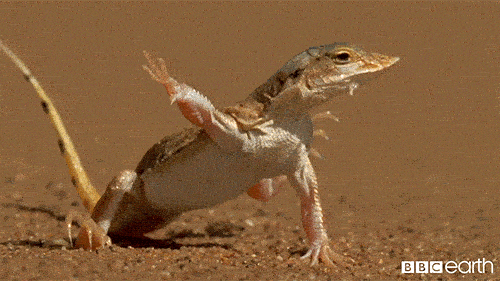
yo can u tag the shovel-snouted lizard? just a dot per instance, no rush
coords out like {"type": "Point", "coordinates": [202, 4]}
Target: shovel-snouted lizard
{"type": "Point", "coordinates": [250, 147]}
{"type": "Point", "coordinates": [254, 146]}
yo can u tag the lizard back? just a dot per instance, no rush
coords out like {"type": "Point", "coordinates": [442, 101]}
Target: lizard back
{"type": "Point", "coordinates": [170, 145]}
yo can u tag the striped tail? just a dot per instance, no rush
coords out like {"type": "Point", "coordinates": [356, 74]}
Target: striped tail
{"type": "Point", "coordinates": [79, 177]}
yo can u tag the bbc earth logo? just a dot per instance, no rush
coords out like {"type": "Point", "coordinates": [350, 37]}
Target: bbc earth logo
{"type": "Point", "coordinates": [451, 267]}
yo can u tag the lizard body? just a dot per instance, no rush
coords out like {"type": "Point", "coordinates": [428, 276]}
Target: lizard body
{"type": "Point", "coordinates": [253, 146]}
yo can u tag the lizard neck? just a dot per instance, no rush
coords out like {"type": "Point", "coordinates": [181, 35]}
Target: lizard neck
{"type": "Point", "coordinates": [292, 115]}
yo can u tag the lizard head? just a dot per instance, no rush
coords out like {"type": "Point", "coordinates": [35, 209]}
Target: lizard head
{"type": "Point", "coordinates": [336, 65]}
{"type": "Point", "coordinates": [317, 75]}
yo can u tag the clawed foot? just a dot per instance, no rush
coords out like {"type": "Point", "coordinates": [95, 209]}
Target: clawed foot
{"type": "Point", "coordinates": [324, 253]}
{"type": "Point", "coordinates": [321, 133]}
{"type": "Point", "coordinates": [327, 115]}
{"type": "Point", "coordinates": [158, 71]}
{"type": "Point", "coordinates": [91, 236]}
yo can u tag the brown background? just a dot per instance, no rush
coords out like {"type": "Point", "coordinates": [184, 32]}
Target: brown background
{"type": "Point", "coordinates": [410, 173]}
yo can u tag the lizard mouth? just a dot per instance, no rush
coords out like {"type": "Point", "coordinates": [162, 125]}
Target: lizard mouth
{"type": "Point", "coordinates": [376, 62]}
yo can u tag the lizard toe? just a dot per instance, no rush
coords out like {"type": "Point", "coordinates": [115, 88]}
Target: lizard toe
{"type": "Point", "coordinates": [325, 254]}
{"type": "Point", "coordinates": [91, 235]}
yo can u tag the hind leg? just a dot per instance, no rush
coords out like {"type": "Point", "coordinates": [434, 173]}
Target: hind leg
{"type": "Point", "coordinates": [94, 229]}
{"type": "Point", "coordinates": [267, 188]}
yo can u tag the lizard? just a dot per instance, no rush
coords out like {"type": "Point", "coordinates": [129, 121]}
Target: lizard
{"type": "Point", "coordinates": [254, 146]}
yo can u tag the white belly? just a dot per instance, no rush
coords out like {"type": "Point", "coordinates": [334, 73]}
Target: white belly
{"type": "Point", "coordinates": [205, 175]}
{"type": "Point", "coordinates": [207, 178]}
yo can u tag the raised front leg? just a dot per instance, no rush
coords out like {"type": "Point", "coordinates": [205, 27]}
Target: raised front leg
{"type": "Point", "coordinates": [221, 127]}
{"type": "Point", "coordinates": [304, 182]}
{"type": "Point", "coordinates": [93, 232]}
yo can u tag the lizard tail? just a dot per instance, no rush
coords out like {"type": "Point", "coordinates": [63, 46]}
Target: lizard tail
{"type": "Point", "coordinates": [79, 177]}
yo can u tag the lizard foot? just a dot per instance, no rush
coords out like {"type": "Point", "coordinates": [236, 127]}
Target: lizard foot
{"type": "Point", "coordinates": [327, 115]}
{"type": "Point", "coordinates": [323, 252]}
{"type": "Point", "coordinates": [158, 71]}
{"type": "Point", "coordinates": [91, 236]}
{"type": "Point", "coordinates": [320, 133]}
{"type": "Point", "coordinates": [93, 230]}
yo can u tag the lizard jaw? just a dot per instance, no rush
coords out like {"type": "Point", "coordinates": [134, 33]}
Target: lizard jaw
{"type": "Point", "coordinates": [376, 62]}
{"type": "Point", "coordinates": [342, 77]}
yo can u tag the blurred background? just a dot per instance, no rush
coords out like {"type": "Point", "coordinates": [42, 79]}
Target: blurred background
{"type": "Point", "coordinates": [415, 146]}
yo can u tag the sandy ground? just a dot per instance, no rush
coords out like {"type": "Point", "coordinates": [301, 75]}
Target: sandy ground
{"type": "Point", "coordinates": [411, 173]}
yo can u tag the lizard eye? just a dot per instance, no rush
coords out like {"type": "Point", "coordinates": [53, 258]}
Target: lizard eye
{"type": "Point", "coordinates": [342, 57]}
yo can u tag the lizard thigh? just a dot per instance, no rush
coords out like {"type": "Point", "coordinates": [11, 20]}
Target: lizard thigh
{"type": "Point", "coordinates": [135, 216]}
